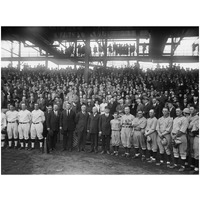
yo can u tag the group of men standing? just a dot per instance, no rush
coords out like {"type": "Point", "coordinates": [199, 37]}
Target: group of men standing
{"type": "Point", "coordinates": [177, 138]}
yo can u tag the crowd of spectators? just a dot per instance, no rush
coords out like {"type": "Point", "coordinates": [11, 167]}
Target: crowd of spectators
{"type": "Point", "coordinates": [113, 49]}
{"type": "Point", "coordinates": [111, 86]}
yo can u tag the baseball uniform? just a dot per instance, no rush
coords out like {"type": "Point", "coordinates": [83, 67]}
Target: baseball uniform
{"type": "Point", "coordinates": [164, 126]}
{"type": "Point", "coordinates": [3, 126]}
{"type": "Point", "coordinates": [126, 132]}
{"type": "Point", "coordinates": [180, 124]}
{"type": "Point", "coordinates": [115, 134]}
{"type": "Point", "coordinates": [12, 127]}
{"type": "Point", "coordinates": [139, 125]}
{"type": "Point", "coordinates": [151, 128]}
{"type": "Point", "coordinates": [24, 118]}
{"type": "Point", "coordinates": [37, 126]}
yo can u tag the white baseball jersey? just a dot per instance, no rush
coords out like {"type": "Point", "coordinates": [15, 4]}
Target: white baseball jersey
{"type": "Point", "coordinates": [37, 116]}
{"type": "Point", "coordinates": [11, 116]}
{"type": "Point", "coordinates": [24, 116]}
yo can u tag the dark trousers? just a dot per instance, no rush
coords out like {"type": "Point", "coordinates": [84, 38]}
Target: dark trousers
{"type": "Point", "coordinates": [68, 140]}
{"type": "Point", "coordinates": [81, 139]}
{"type": "Point", "coordinates": [52, 139]}
{"type": "Point", "coordinates": [105, 142]}
{"type": "Point", "coordinates": [94, 141]}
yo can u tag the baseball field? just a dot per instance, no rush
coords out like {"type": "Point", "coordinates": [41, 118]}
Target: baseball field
{"type": "Point", "coordinates": [33, 162]}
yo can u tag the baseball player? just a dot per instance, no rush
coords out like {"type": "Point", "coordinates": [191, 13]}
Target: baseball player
{"type": "Point", "coordinates": [115, 134]}
{"type": "Point", "coordinates": [3, 129]}
{"type": "Point", "coordinates": [11, 117]}
{"type": "Point", "coordinates": [126, 131]}
{"type": "Point", "coordinates": [179, 129]}
{"type": "Point", "coordinates": [195, 131]}
{"type": "Point", "coordinates": [38, 119]}
{"type": "Point", "coordinates": [164, 128]}
{"type": "Point", "coordinates": [24, 119]}
{"type": "Point", "coordinates": [151, 135]}
{"type": "Point", "coordinates": [139, 124]}
{"type": "Point", "coordinates": [192, 120]}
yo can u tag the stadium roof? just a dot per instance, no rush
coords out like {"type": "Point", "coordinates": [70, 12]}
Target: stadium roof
{"type": "Point", "coordinates": [44, 37]}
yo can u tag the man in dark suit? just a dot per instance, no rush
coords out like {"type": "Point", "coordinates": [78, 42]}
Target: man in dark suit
{"type": "Point", "coordinates": [81, 127]}
{"type": "Point", "coordinates": [105, 130]}
{"type": "Point", "coordinates": [172, 110]}
{"type": "Point", "coordinates": [45, 131]}
{"type": "Point", "coordinates": [67, 125]}
{"type": "Point", "coordinates": [53, 120]}
{"type": "Point", "coordinates": [112, 105]}
{"type": "Point", "coordinates": [147, 107]}
{"type": "Point", "coordinates": [157, 108]}
{"type": "Point", "coordinates": [93, 129]}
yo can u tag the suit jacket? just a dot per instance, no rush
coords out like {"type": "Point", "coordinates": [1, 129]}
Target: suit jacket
{"type": "Point", "coordinates": [172, 113]}
{"type": "Point", "coordinates": [53, 121]}
{"type": "Point", "coordinates": [158, 110]}
{"type": "Point", "coordinates": [146, 110]}
{"type": "Point", "coordinates": [112, 107]}
{"type": "Point", "coordinates": [81, 121]}
{"type": "Point", "coordinates": [68, 122]}
{"type": "Point", "coordinates": [93, 124]}
{"type": "Point", "coordinates": [104, 124]}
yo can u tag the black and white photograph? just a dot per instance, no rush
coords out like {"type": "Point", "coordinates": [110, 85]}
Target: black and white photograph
{"type": "Point", "coordinates": [99, 100]}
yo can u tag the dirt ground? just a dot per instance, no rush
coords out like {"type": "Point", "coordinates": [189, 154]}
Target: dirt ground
{"type": "Point", "coordinates": [33, 162]}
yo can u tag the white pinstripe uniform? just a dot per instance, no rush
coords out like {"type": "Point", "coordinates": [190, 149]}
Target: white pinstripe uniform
{"type": "Point", "coordinates": [24, 118]}
{"type": "Point", "coordinates": [37, 126]}
{"type": "Point", "coordinates": [3, 125]}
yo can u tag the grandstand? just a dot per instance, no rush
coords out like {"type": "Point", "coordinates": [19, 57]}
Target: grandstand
{"type": "Point", "coordinates": [60, 47]}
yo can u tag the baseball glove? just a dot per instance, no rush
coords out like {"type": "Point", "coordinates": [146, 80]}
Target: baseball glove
{"type": "Point", "coordinates": [149, 140]}
{"type": "Point", "coordinates": [176, 142]}
{"type": "Point", "coordinates": [164, 141]}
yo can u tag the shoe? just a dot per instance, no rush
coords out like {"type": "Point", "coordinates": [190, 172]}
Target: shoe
{"type": "Point", "coordinates": [143, 158]}
{"type": "Point", "coordinates": [160, 163]}
{"type": "Point", "coordinates": [128, 155]}
{"type": "Point", "coordinates": [21, 148]}
{"type": "Point", "coordinates": [102, 152]}
{"type": "Point", "coordinates": [124, 155]}
{"type": "Point", "coordinates": [174, 166]}
{"type": "Point", "coordinates": [153, 160]}
{"type": "Point", "coordinates": [113, 153]}
{"type": "Point", "coordinates": [116, 154]}
{"type": "Point", "coordinates": [15, 147]}
{"type": "Point", "coordinates": [32, 148]}
{"type": "Point", "coordinates": [108, 152]}
{"type": "Point", "coordinates": [181, 169]}
{"type": "Point", "coordinates": [136, 156]}
{"type": "Point", "coordinates": [83, 150]}
{"type": "Point", "coordinates": [26, 148]}
{"type": "Point", "coordinates": [168, 163]}
{"type": "Point", "coordinates": [8, 147]}
{"type": "Point", "coordinates": [148, 159]}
